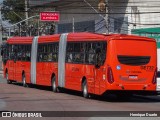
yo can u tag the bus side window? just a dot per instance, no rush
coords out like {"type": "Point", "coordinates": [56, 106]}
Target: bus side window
{"type": "Point", "coordinates": [42, 53]}
{"type": "Point", "coordinates": [10, 47]}
{"type": "Point", "coordinates": [23, 55]}
{"type": "Point", "coordinates": [12, 52]}
{"type": "Point", "coordinates": [5, 52]}
{"type": "Point", "coordinates": [104, 51]}
{"type": "Point", "coordinates": [100, 53]}
{"type": "Point", "coordinates": [40, 50]}
{"type": "Point", "coordinates": [69, 53]}
{"type": "Point", "coordinates": [45, 53]}
{"type": "Point", "coordinates": [90, 53]}
{"type": "Point", "coordinates": [49, 52]}
{"type": "Point", "coordinates": [28, 53]}
{"type": "Point", "coordinates": [75, 52]}
{"type": "Point", "coordinates": [19, 52]}
{"type": "Point", "coordinates": [55, 52]}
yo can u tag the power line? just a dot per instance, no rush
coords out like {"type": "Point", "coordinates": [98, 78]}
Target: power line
{"type": "Point", "coordinates": [111, 5]}
{"type": "Point", "coordinates": [154, 12]}
{"type": "Point", "coordinates": [111, 13]}
{"type": "Point", "coordinates": [109, 2]}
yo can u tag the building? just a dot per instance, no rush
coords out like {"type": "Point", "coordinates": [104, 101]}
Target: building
{"type": "Point", "coordinates": [80, 15]}
{"type": "Point", "coordinates": [121, 16]}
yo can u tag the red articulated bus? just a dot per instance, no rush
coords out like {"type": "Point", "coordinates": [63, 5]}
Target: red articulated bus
{"type": "Point", "coordinates": [87, 62]}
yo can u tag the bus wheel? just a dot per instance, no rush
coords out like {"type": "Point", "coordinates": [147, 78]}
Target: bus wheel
{"type": "Point", "coordinates": [8, 81]}
{"type": "Point", "coordinates": [54, 86]}
{"type": "Point", "coordinates": [85, 89]}
{"type": "Point", "coordinates": [24, 80]}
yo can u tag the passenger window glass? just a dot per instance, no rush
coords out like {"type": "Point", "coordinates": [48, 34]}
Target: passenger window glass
{"type": "Point", "coordinates": [90, 52]}
{"type": "Point", "coordinates": [5, 52]}
{"type": "Point", "coordinates": [28, 52]}
{"type": "Point", "coordinates": [75, 52]}
{"type": "Point", "coordinates": [48, 52]}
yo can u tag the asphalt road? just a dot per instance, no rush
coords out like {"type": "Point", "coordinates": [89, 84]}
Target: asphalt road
{"type": "Point", "coordinates": [15, 97]}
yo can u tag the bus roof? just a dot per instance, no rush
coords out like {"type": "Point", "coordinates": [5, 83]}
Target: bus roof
{"type": "Point", "coordinates": [83, 36]}
{"type": "Point", "coordinates": [28, 40]}
{"type": "Point", "coordinates": [128, 37]}
{"type": "Point", "coordinates": [22, 40]}
{"type": "Point", "coordinates": [49, 38]}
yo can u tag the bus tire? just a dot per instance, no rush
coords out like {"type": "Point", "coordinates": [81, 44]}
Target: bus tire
{"type": "Point", "coordinates": [85, 89]}
{"type": "Point", "coordinates": [24, 80]}
{"type": "Point", "coordinates": [8, 81]}
{"type": "Point", "coordinates": [54, 86]}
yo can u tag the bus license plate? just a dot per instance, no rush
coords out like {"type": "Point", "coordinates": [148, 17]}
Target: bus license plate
{"type": "Point", "coordinates": [133, 77]}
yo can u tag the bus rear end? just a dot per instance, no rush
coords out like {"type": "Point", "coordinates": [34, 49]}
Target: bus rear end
{"type": "Point", "coordinates": [158, 70]}
{"type": "Point", "coordinates": [132, 65]}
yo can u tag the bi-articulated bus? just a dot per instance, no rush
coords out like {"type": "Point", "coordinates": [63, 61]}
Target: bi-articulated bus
{"type": "Point", "coordinates": [87, 62]}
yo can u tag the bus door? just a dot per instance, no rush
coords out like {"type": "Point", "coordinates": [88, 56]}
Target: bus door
{"type": "Point", "coordinates": [19, 57]}
{"type": "Point", "coordinates": [100, 80]}
{"type": "Point", "coordinates": [11, 69]}
{"type": "Point", "coordinates": [100, 70]}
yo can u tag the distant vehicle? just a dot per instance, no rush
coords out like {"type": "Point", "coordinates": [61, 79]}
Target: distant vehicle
{"type": "Point", "coordinates": [87, 62]}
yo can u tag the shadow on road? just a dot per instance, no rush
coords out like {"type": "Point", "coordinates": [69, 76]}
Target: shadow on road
{"type": "Point", "coordinates": [104, 98]}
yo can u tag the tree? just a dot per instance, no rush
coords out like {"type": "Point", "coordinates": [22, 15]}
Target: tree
{"type": "Point", "coordinates": [13, 10]}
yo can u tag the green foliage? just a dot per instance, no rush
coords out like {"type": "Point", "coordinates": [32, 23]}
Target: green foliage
{"type": "Point", "coordinates": [12, 10]}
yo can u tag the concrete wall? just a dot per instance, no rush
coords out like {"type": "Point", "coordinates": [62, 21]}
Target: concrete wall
{"type": "Point", "coordinates": [135, 13]}
{"type": "Point", "coordinates": [141, 19]}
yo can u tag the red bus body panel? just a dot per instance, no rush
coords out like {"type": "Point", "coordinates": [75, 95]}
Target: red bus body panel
{"type": "Point", "coordinates": [97, 80]}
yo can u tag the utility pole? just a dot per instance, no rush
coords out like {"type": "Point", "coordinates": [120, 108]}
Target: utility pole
{"type": "Point", "coordinates": [73, 25]}
{"type": "Point", "coordinates": [104, 6]}
{"type": "Point", "coordinates": [107, 17]}
{"type": "Point", "coordinates": [26, 10]}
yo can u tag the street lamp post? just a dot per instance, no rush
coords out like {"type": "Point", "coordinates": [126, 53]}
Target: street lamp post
{"type": "Point", "coordinates": [107, 17]}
